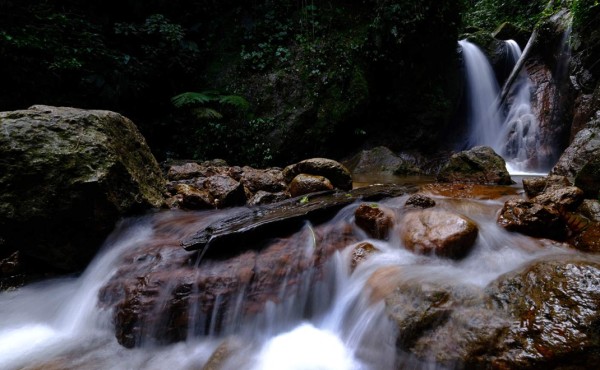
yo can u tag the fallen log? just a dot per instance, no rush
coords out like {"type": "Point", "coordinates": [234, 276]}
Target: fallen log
{"type": "Point", "coordinates": [278, 219]}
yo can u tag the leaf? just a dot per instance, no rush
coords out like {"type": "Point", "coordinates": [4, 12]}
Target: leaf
{"type": "Point", "coordinates": [192, 98]}
{"type": "Point", "coordinates": [235, 101]}
{"type": "Point", "coordinates": [206, 113]}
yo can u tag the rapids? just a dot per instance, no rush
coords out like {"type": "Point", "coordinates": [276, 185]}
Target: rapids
{"type": "Point", "coordinates": [331, 321]}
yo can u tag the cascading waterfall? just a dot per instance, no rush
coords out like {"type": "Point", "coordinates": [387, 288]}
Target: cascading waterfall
{"type": "Point", "coordinates": [520, 129]}
{"type": "Point", "coordinates": [483, 121]}
{"type": "Point", "coordinates": [514, 135]}
{"type": "Point", "coordinates": [329, 322]}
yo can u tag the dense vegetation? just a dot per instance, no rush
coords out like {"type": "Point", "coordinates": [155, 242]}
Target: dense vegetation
{"type": "Point", "coordinates": [274, 80]}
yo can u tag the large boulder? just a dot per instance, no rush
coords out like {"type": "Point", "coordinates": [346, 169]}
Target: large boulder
{"type": "Point", "coordinates": [581, 160]}
{"type": "Point", "coordinates": [479, 165]}
{"type": "Point", "coordinates": [66, 176]}
{"type": "Point", "coordinates": [381, 159]}
{"type": "Point", "coordinates": [305, 184]}
{"type": "Point", "coordinates": [438, 232]}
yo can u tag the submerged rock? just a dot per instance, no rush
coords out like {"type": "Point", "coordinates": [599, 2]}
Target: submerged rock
{"type": "Point", "coordinates": [375, 220]}
{"type": "Point", "coordinates": [66, 176]}
{"type": "Point", "coordinates": [479, 165]}
{"type": "Point", "coordinates": [438, 232]}
{"type": "Point", "coordinates": [419, 201]}
{"type": "Point", "coordinates": [362, 252]}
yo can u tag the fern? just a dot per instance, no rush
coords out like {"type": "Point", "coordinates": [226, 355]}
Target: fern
{"type": "Point", "coordinates": [198, 100]}
{"type": "Point", "coordinates": [235, 101]}
{"type": "Point", "coordinates": [207, 113]}
{"type": "Point", "coordinates": [188, 99]}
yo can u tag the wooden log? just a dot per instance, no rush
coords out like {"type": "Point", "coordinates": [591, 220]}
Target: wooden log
{"type": "Point", "coordinates": [277, 219]}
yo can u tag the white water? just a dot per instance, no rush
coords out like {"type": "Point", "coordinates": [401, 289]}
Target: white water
{"type": "Point", "coordinates": [56, 324]}
{"type": "Point", "coordinates": [514, 135]}
{"type": "Point", "coordinates": [482, 91]}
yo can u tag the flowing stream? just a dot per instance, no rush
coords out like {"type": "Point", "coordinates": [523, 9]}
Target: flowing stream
{"type": "Point", "coordinates": [331, 321]}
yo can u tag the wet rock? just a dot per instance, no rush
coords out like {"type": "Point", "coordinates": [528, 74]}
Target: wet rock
{"type": "Point", "coordinates": [374, 219]}
{"type": "Point", "coordinates": [532, 219]}
{"type": "Point", "coordinates": [590, 208]}
{"type": "Point", "coordinates": [334, 171]}
{"type": "Point", "coordinates": [508, 31]}
{"type": "Point", "coordinates": [419, 201]}
{"type": "Point", "coordinates": [270, 180]}
{"type": "Point", "coordinates": [305, 184]}
{"type": "Point", "coordinates": [537, 185]}
{"type": "Point", "coordinates": [226, 191]}
{"type": "Point", "coordinates": [438, 232]}
{"type": "Point", "coordinates": [194, 198]}
{"type": "Point", "coordinates": [185, 171]}
{"type": "Point", "coordinates": [584, 152]}
{"type": "Point", "coordinates": [10, 265]}
{"type": "Point", "coordinates": [479, 165]}
{"type": "Point", "coordinates": [264, 197]}
{"type": "Point", "coordinates": [562, 199]}
{"type": "Point", "coordinates": [554, 307]}
{"type": "Point", "coordinates": [360, 253]}
{"type": "Point", "coordinates": [588, 239]}
{"type": "Point", "coordinates": [162, 293]}
{"type": "Point", "coordinates": [381, 159]}
{"type": "Point", "coordinates": [588, 178]}
{"type": "Point", "coordinates": [66, 176]}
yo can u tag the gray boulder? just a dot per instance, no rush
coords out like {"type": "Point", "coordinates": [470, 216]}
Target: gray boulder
{"type": "Point", "coordinates": [479, 165]}
{"type": "Point", "coordinates": [66, 176]}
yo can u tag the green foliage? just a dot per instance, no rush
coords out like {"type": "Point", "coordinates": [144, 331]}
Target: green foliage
{"type": "Point", "coordinates": [489, 14]}
{"type": "Point", "coordinates": [584, 12]}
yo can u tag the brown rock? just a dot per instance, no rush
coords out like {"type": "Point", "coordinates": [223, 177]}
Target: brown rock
{"type": "Point", "coordinates": [361, 252]}
{"type": "Point", "coordinates": [419, 201]}
{"type": "Point", "coordinates": [588, 240]}
{"type": "Point", "coordinates": [334, 171]}
{"type": "Point", "coordinates": [194, 198]}
{"type": "Point", "coordinates": [537, 185]}
{"type": "Point", "coordinates": [226, 191]}
{"type": "Point", "coordinates": [270, 180]}
{"type": "Point", "coordinates": [532, 219]}
{"type": "Point", "coordinates": [305, 184]}
{"type": "Point", "coordinates": [438, 232]}
{"type": "Point", "coordinates": [184, 171]}
{"type": "Point", "coordinates": [374, 219]}
{"type": "Point", "coordinates": [562, 199]}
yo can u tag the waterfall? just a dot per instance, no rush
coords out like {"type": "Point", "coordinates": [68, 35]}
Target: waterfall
{"type": "Point", "coordinates": [483, 121]}
{"type": "Point", "coordinates": [515, 134]}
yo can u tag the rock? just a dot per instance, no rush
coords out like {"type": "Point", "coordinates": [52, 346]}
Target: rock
{"type": "Point", "coordinates": [264, 197]}
{"type": "Point", "coordinates": [469, 191]}
{"type": "Point", "coordinates": [588, 178]}
{"type": "Point", "coordinates": [508, 31]}
{"type": "Point", "coordinates": [554, 307]}
{"type": "Point", "coordinates": [479, 165]}
{"type": "Point", "coordinates": [185, 171]}
{"type": "Point", "coordinates": [419, 201]}
{"type": "Point", "coordinates": [270, 180]}
{"type": "Point", "coordinates": [158, 295]}
{"type": "Point", "coordinates": [583, 151]}
{"type": "Point", "coordinates": [334, 171]}
{"type": "Point", "coordinates": [562, 199]}
{"type": "Point", "coordinates": [532, 219]}
{"type": "Point", "coordinates": [588, 240]}
{"type": "Point", "coordinates": [536, 185]}
{"type": "Point", "coordinates": [194, 198]}
{"type": "Point", "coordinates": [590, 208]}
{"type": "Point", "coordinates": [360, 253]}
{"type": "Point", "coordinates": [226, 191]}
{"type": "Point", "coordinates": [381, 159]}
{"type": "Point", "coordinates": [66, 176]}
{"type": "Point", "coordinates": [305, 184]}
{"type": "Point", "coordinates": [374, 219]}
{"type": "Point", "coordinates": [10, 265]}
{"type": "Point", "coordinates": [438, 232]}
